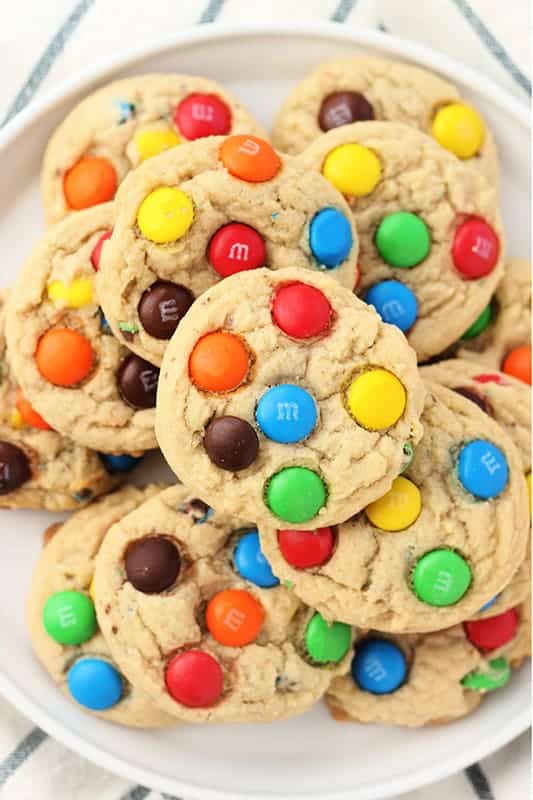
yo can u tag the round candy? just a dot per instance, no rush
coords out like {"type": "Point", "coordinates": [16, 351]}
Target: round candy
{"type": "Point", "coordinates": [343, 108]}
{"type": "Point", "coordinates": [395, 303]}
{"type": "Point", "coordinates": [152, 564]}
{"type": "Point", "coordinates": [90, 181]}
{"type": "Point", "coordinates": [459, 128]}
{"type": "Point", "coordinates": [231, 443]}
{"type": "Point", "coordinates": [497, 675]}
{"type": "Point", "coordinates": [76, 294]}
{"type": "Point", "coordinates": [14, 467]}
{"type": "Point", "coordinates": [194, 679]}
{"type": "Point", "coordinates": [475, 249]}
{"type": "Point", "coordinates": [95, 684]}
{"type": "Point", "coordinates": [480, 401]}
{"type": "Point", "coordinates": [489, 603]}
{"type": "Point", "coordinates": [165, 215]}
{"type": "Point", "coordinates": [493, 632]}
{"type": "Point", "coordinates": [441, 577]}
{"type": "Point", "coordinates": [286, 413]}
{"type": "Point", "coordinates": [97, 250]}
{"type": "Point", "coordinates": [306, 549]}
{"type": "Point", "coordinates": [327, 642]}
{"type": "Point", "coordinates": [481, 324]}
{"type": "Point", "coordinates": [219, 362]}
{"type": "Point", "coordinates": [64, 357]}
{"type": "Point", "coordinates": [234, 617]}
{"type": "Point", "coordinates": [398, 509]}
{"type": "Point", "coordinates": [250, 158]}
{"type": "Point", "coordinates": [352, 169]}
{"type": "Point", "coordinates": [379, 666]}
{"type": "Point", "coordinates": [376, 399]}
{"type": "Point", "coordinates": [518, 363]}
{"type": "Point", "coordinates": [301, 311]}
{"type": "Point", "coordinates": [489, 377]}
{"type": "Point", "coordinates": [199, 115]}
{"type": "Point", "coordinates": [251, 564]}
{"type": "Point", "coordinates": [162, 307]}
{"type": "Point", "coordinates": [330, 237]}
{"type": "Point", "coordinates": [296, 494]}
{"type": "Point", "coordinates": [120, 463]}
{"type": "Point", "coordinates": [69, 618]}
{"type": "Point", "coordinates": [29, 415]}
{"type": "Point", "coordinates": [403, 239]}
{"type": "Point", "coordinates": [151, 142]}
{"type": "Point", "coordinates": [137, 382]}
{"type": "Point", "coordinates": [236, 247]}
{"type": "Point", "coordinates": [483, 469]}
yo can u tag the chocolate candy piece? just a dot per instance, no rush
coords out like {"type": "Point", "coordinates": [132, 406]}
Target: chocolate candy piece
{"type": "Point", "coordinates": [342, 108]}
{"type": "Point", "coordinates": [152, 564]}
{"type": "Point", "coordinates": [14, 467]}
{"type": "Point", "coordinates": [137, 382]}
{"type": "Point", "coordinates": [231, 443]}
{"type": "Point", "coordinates": [162, 307]}
{"type": "Point", "coordinates": [482, 402]}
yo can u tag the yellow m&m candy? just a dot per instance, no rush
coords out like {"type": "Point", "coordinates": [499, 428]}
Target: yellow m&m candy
{"type": "Point", "coordinates": [376, 399]}
{"type": "Point", "coordinates": [165, 215]}
{"type": "Point", "coordinates": [460, 129]}
{"type": "Point", "coordinates": [352, 169]}
{"type": "Point", "coordinates": [76, 294]}
{"type": "Point", "coordinates": [151, 142]}
{"type": "Point", "coordinates": [397, 509]}
{"type": "Point", "coordinates": [91, 589]}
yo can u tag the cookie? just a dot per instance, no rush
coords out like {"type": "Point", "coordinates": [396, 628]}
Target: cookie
{"type": "Point", "coordinates": [362, 88]}
{"type": "Point", "coordinates": [287, 398]}
{"type": "Point", "coordinates": [431, 239]}
{"type": "Point", "coordinates": [84, 382]}
{"type": "Point", "coordinates": [446, 538]}
{"type": "Point", "coordinates": [501, 336]}
{"type": "Point", "coordinates": [40, 468]}
{"type": "Point", "coordinates": [122, 124]}
{"type": "Point", "coordinates": [195, 617]}
{"type": "Point", "coordinates": [430, 678]}
{"type": "Point", "coordinates": [207, 210]}
{"type": "Point", "coordinates": [62, 621]}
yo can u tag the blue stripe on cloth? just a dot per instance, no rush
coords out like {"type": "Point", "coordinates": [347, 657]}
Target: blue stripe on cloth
{"type": "Point", "coordinates": [493, 45]}
{"type": "Point", "coordinates": [44, 64]}
{"type": "Point", "coordinates": [211, 11]}
{"type": "Point", "coordinates": [479, 782]}
{"type": "Point", "coordinates": [18, 756]}
{"type": "Point", "coordinates": [343, 9]}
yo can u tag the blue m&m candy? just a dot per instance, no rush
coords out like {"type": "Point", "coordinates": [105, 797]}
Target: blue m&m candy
{"type": "Point", "coordinates": [483, 469]}
{"type": "Point", "coordinates": [122, 463]}
{"type": "Point", "coordinates": [330, 237]}
{"type": "Point", "coordinates": [286, 413]}
{"type": "Point", "coordinates": [489, 603]}
{"type": "Point", "coordinates": [251, 564]}
{"type": "Point", "coordinates": [394, 302]}
{"type": "Point", "coordinates": [379, 666]}
{"type": "Point", "coordinates": [95, 684]}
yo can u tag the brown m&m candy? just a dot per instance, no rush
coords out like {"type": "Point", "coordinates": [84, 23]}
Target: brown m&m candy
{"type": "Point", "coordinates": [343, 108]}
{"type": "Point", "coordinates": [152, 564]}
{"type": "Point", "coordinates": [14, 467]}
{"type": "Point", "coordinates": [137, 382]}
{"type": "Point", "coordinates": [231, 443]}
{"type": "Point", "coordinates": [162, 306]}
{"type": "Point", "coordinates": [480, 401]}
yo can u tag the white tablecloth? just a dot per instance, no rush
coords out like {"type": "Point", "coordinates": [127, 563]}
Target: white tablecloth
{"type": "Point", "coordinates": [45, 41]}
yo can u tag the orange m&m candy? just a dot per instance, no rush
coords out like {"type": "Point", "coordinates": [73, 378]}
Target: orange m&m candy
{"type": "Point", "coordinates": [90, 181]}
{"type": "Point", "coordinates": [518, 363]}
{"type": "Point", "coordinates": [234, 617]}
{"type": "Point", "coordinates": [29, 415]}
{"type": "Point", "coordinates": [250, 158]}
{"type": "Point", "coordinates": [64, 357]}
{"type": "Point", "coordinates": [219, 362]}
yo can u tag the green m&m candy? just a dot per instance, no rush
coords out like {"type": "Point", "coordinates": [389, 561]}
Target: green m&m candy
{"type": "Point", "coordinates": [481, 323]}
{"type": "Point", "coordinates": [495, 677]}
{"type": "Point", "coordinates": [296, 494]}
{"type": "Point", "coordinates": [441, 578]}
{"type": "Point", "coordinates": [327, 642]}
{"type": "Point", "coordinates": [403, 239]}
{"type": "Point", "coordinates": [69, 618]}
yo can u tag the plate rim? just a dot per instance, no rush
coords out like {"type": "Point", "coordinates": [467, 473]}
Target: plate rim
{"type": "Point", "coordinates": [203, 34]}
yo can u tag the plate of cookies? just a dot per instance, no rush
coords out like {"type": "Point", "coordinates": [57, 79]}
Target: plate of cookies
{"type": "Point", "coordinates": [265, 415]}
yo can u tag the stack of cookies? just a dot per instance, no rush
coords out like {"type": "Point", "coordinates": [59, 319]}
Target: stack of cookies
{"type": "Point", "coordinates": [329, 345]}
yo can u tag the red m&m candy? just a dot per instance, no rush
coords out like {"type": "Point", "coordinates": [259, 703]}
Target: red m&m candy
{"type": "Point", "coordinates": [97, 250]}
{"type": "Point", "coordinates": [301, 311]}
{"type": "Point", "coordinates": [234, 248]}
{"type": "Point", "coordinates": [475, 249]}
{"type": "Point", "coordinates": [493, 632]}
{"type": "Point", "coordinates": [489, 377]}
{"type": "Point", "coordinates": [306, 549]}
{"type": "Point", "coordinates": [194, 679]}
{"type": "Point", "coordinates": [200, 115]}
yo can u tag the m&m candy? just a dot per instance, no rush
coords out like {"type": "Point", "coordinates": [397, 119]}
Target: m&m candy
{"type": "Point", "coordinates": [352, 169]}
{"type": "Point", "coordinates": [518, 363]}
{"type": "Point", "coordinates": [219, 362]}
{"type": "Point", "coordinates": [306, 549]}
{"type": "Point", "coordinates": [395, 303]}
{"type": "Point", "coordinates": [95, 684]}
{"type": "Point", "coordinates": [69, 617]}
{"type": "Point", "coordinates": [327, 642]}
{"type": "Point", "coordinates": [296, 494]}
{"type": "Point", "coordinates": [64, 356]}
{"type": "Point", "coordinates": [460, 129]}
{"type": "Point", "coordinates": [234, 617]}
{"type": "Point", "coordinates": [194, 679]}
{"type": "Point", "coordinates": [286, 413]}
{"type": "Point", "coordinates": [90, 181]}
{"type": "Point", "coordinates": [376, 399]}
{"type": "Point", "coordinates": [441, 577]}
{"type": "Point", "coordinates": [251, 564]}
{"type": "Point", "coordinates": [200, 114]}
{"type": "Point", "coordinates": [403, 239]}
{"type": "Point", "coordinates": [398, 509]}
{"type": "Point", "coordinates": [236, 247]}
{"type": "Point", "coordinates": [493, 632]}
{"type": "Point", "coordinates": [301, 311]}
{"type": "Point", "coordinates": [330, 237]}
{"type": "Point", "coordinates": [482, 469]}
{"type": "Point", "coordinates": [379, 666]}
{"type": "Point", "coordinates": [250, 158]}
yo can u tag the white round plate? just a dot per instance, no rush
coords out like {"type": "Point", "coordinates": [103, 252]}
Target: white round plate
{"type": "Point", "coordinates": [311, 756]}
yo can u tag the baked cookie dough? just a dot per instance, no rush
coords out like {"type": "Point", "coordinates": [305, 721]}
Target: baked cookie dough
{"type": "Point", "coordinates": [40, 468]}
{"type": "Point", "coordinates": [287, 399]}
{"type": "Point", "coordinates": [207, 210]}
{"type": "Point", "coordinates": [431, 678]}
{"type": "Point", "coordinates": [195, 617]}
{"type": "Point", "coordinates": [358, 89]}
{"type": "Point", "coordinates": [501, 336]}
{"type": "Point", "coordinates": [62, 621]}
{"type": "Point", "coordinates": [84, 382]}
{"type": "Point", "coordinates": [430, 235]}
{"type": "Point", "coordinates": [122, 124]}
{"type": "Point", "coordinates": [447, 537]}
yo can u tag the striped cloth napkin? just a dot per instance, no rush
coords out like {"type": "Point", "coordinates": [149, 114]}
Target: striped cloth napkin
{"type": "Point", "coordinates": [42, 43]}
